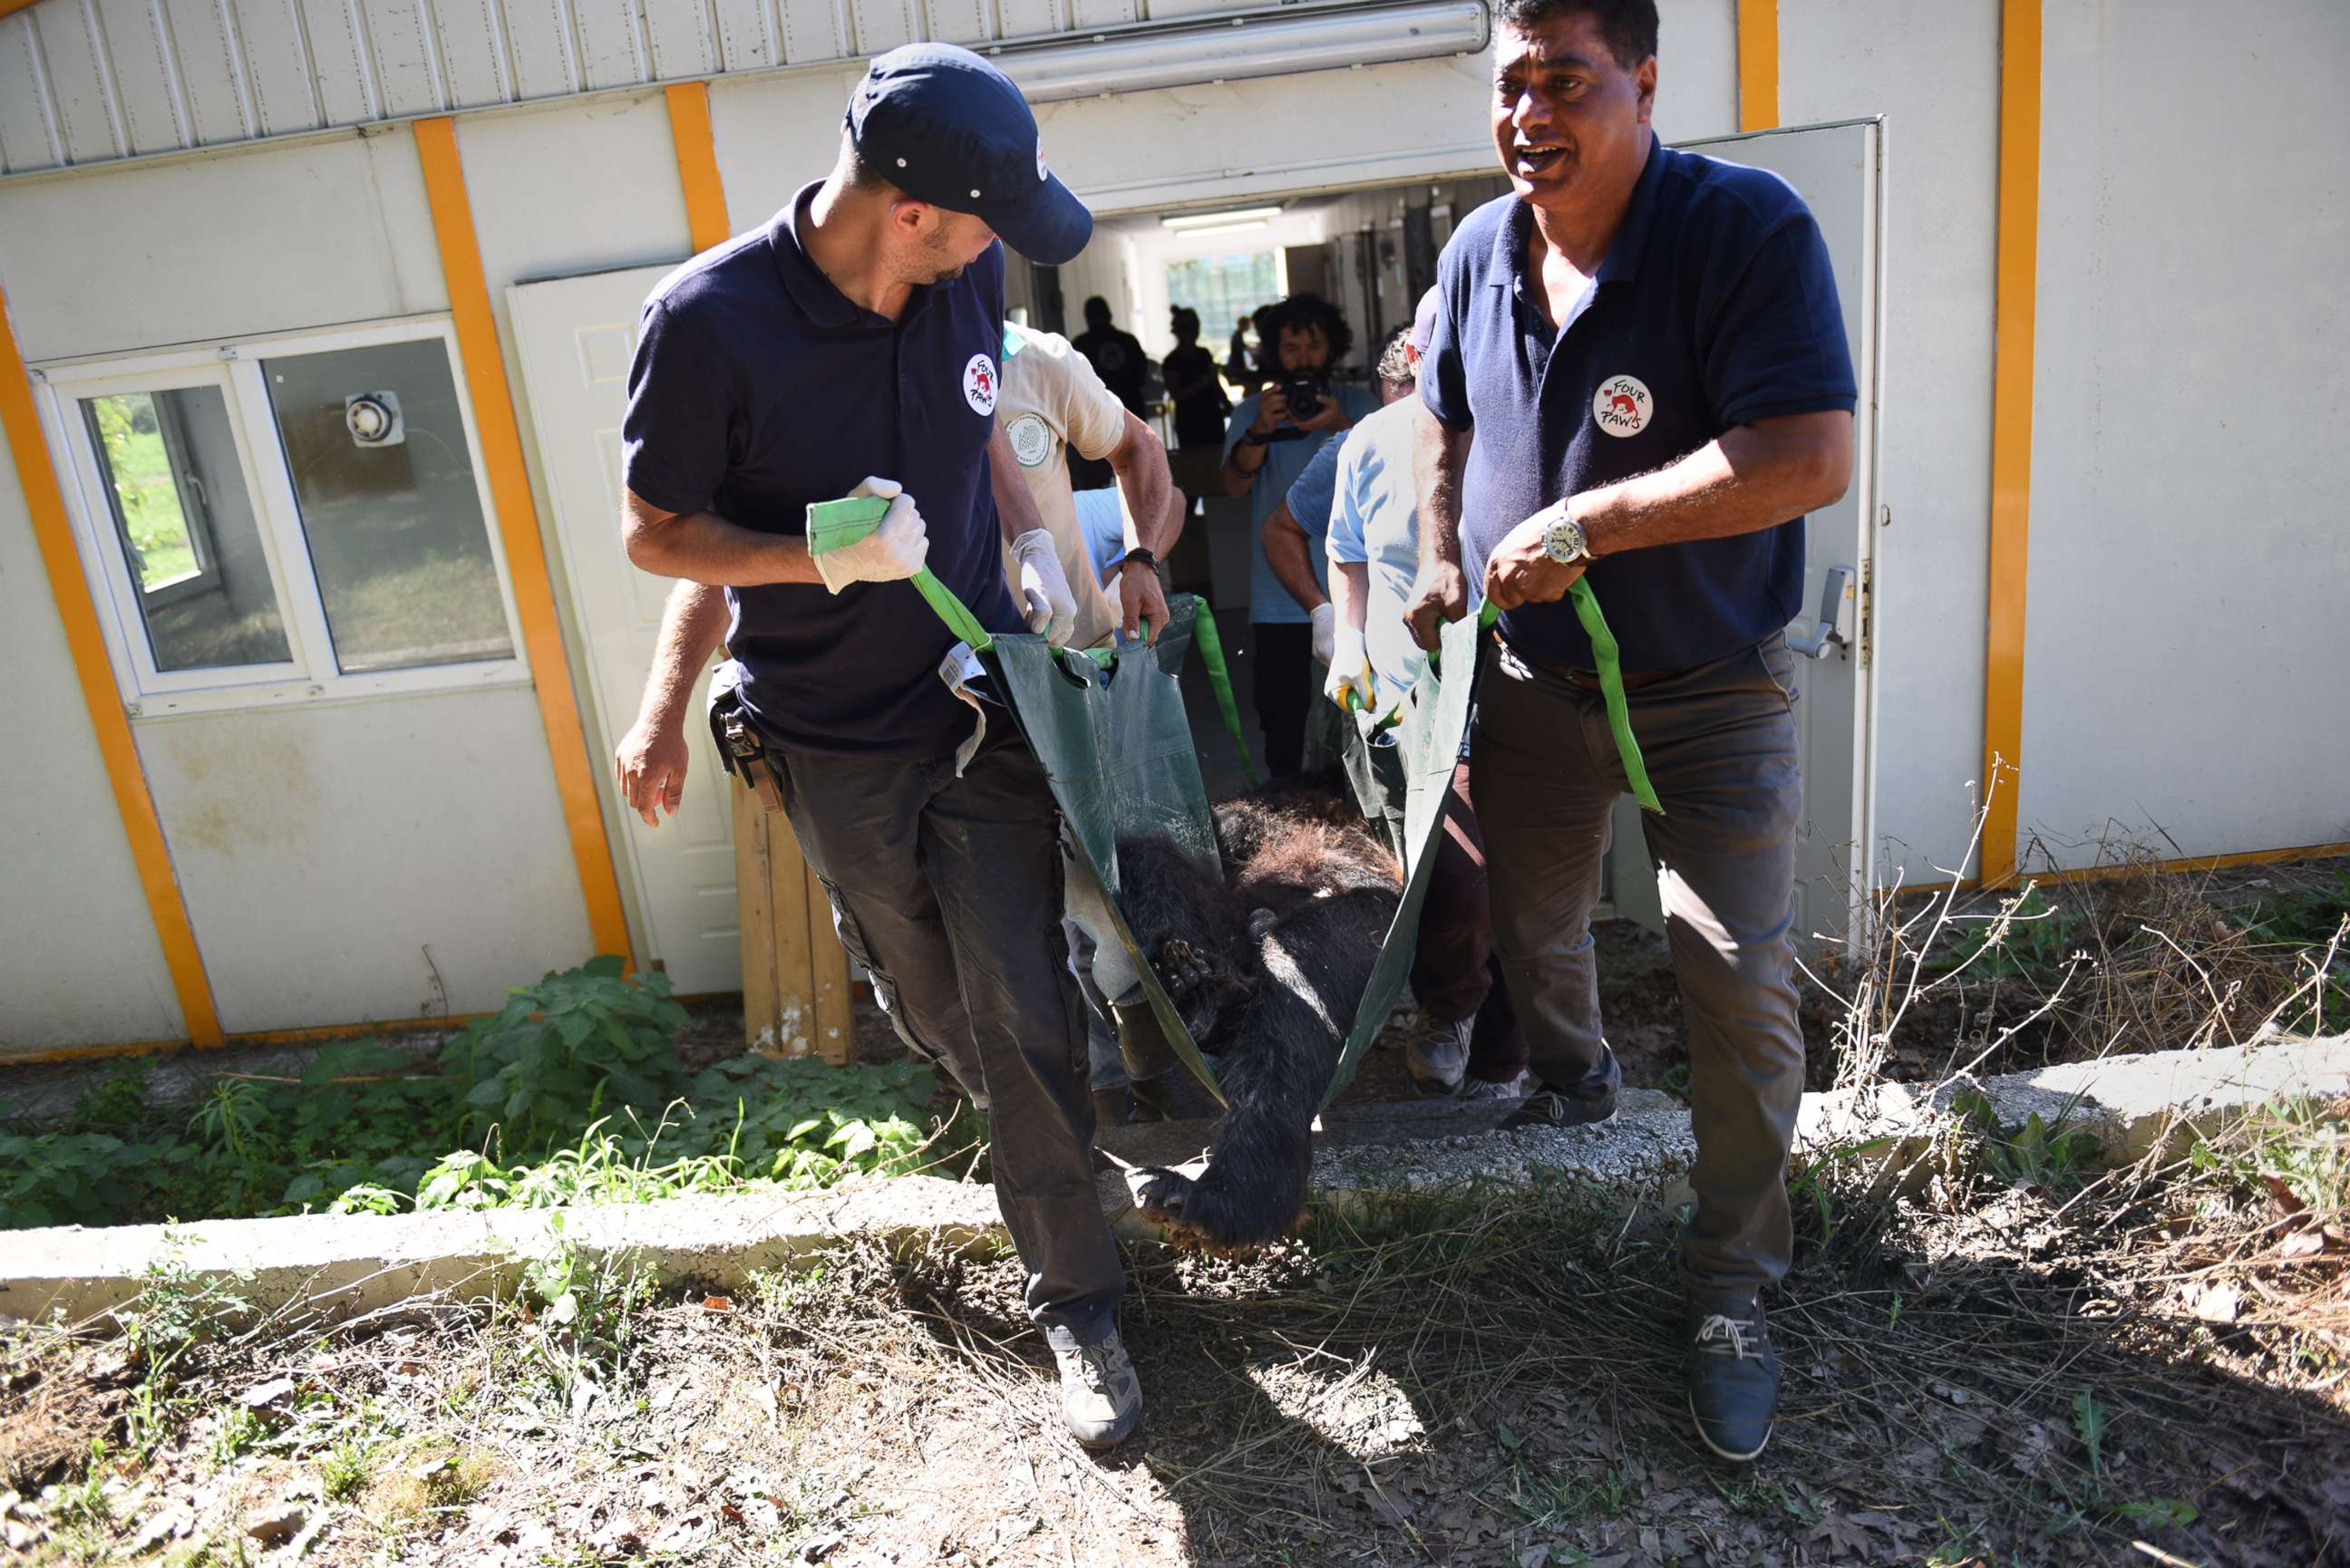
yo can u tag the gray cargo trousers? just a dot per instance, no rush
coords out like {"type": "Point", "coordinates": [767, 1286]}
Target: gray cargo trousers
{"type": "Point", "coordinates": [948, 890]}
{"type": "Point", "coordinates": [1719, 743]}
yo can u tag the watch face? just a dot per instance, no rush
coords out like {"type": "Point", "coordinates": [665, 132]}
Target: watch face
{"type": "Point", "coordinates": [1563, 541]}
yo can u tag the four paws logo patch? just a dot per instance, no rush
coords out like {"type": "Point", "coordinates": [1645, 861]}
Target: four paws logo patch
{"type": "Point", "coordinates": [1622, 405]}
{"type": "Point", "coordinates": [979, 385]}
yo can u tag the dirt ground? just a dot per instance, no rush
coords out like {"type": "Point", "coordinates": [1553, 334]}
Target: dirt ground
{"type": "Point", "coordinates": [1987, 1376]}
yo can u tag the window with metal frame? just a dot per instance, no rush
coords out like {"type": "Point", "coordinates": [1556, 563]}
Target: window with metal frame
{"type": "Point", "coordinates": [286, 518]}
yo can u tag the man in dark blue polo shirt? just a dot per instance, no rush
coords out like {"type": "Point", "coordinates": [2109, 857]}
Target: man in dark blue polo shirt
{"type": "Point", "coordinates": [852, 345]}
{"type": "Point", "coordinates": [1639, 374]}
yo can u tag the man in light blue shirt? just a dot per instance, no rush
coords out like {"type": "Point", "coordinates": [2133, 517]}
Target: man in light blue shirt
{"type": "Point", "coordinates": [1468, 1042]}
{"type": "Point", "coordinates": [1272, 436]}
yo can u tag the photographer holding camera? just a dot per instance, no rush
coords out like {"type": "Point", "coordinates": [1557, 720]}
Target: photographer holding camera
{"type": "Point", "coordinates": [1273, 435]}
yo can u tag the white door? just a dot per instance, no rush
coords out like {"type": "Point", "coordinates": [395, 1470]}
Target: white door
{"type": "Point", "coordinates": [576, 336]}
{"type": "Point", "coordinates": [1839, 170]}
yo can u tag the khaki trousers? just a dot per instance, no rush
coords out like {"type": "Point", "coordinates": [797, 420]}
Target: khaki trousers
{"type": "Point", "coordinates": [1719, 743]}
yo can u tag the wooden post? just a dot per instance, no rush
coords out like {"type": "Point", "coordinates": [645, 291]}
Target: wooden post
{"type": "Point", "coordinates": [794, 974]}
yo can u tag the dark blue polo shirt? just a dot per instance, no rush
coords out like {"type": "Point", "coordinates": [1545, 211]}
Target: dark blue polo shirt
{"type": "Point", "coordinates": [758, 388]}
{"type": "Point", "coordinates": [1715, 307]}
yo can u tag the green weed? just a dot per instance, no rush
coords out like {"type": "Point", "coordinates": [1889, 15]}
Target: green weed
{"type": "Point", "coordinates": [2044, 1156]}
{"type": "Point", "coordinates": [2029, 938]}
{"type": "Point", "coordinates": [2298, 1148]}
{"type": "Point", "coordinates": [343, 1469]}
{"type": "Point", "coordinates": [176, 1313]}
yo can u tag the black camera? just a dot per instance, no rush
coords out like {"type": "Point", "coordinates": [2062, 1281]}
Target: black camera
{"type": "Point", "coordinates": [1305, 390]}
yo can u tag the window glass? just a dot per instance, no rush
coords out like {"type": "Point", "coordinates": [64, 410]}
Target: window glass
{"type": "Point", "coordinates": [187, 525]}
{"type": "Point", "coordinates": [1222, 289]}
{"type": "Point", "coordinates": [375, 442]}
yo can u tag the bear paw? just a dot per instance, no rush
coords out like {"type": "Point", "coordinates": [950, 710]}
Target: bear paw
{"type": "Point", "coordinates": [1162, 1195]}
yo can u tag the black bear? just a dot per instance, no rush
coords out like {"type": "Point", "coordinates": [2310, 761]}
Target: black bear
{"type": "Point", "coordinates": [1266, 964]}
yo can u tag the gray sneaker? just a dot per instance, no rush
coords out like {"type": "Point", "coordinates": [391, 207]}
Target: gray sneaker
{"type": "Point", "coordinates": [1101, 1398]}
{"type": "Point", "coordinates": [1438, 1056]}
{"type": "Point", "coordinates": [1591, 1098]}
{"type": "Point", "coordinates": [1497, 1091]}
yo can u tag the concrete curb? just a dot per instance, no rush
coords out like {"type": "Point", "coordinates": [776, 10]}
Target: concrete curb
{"type": "Point", "coordinates": [343, 1266]}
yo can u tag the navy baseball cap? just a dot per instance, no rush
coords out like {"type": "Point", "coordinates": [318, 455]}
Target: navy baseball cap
{"type": "Point", "coordinates": [947, 127]}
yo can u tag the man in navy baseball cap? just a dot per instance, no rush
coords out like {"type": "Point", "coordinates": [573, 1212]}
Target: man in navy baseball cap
{"type": "Point", "coordinates": [853, 346]}
{"type": "Point", "coordinates": [947, 127]}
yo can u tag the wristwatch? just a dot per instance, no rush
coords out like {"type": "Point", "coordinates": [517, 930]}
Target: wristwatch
{"type": "Point", "coordinates": [1563, 541]}
{"type": "Point", "coordinates": [1138, 554]}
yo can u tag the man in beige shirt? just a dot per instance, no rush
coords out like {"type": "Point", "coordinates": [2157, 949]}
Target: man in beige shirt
{"type": "Point", "coordinates": [1050, 400]}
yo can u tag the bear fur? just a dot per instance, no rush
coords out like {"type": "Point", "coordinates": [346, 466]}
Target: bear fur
{"type": "Point", "coordinates": [1266, 964]}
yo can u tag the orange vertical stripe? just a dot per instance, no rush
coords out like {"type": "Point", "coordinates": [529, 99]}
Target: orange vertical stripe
{"type": "Point", "coordinates": [493, 402]}
{"type": "Point", "coordinates": [2011, 428]}
{"type": "Point", "coordinates": [95, 667]}
{"type": "Point", "coordinates": [697, 163]}
{"type": "Point", "coordinates": [1758, 65]}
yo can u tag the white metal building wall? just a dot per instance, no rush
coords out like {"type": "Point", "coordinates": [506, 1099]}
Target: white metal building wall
{"type": "Point", "coordinates": [79, 961]}
{"type": "Point", "coordinates": [1932, 68]}
{"type": "Point", "coordinates": [2187, 647]}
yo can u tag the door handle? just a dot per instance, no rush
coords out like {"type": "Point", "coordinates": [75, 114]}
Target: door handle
{"type": "Point", "coordinates": [1832, 632]}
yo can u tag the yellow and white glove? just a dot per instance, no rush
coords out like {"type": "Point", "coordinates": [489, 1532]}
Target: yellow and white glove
{"type": "Point", "coordinates": [894, 550]}
{"type": "Point", "coordinates": [1350, 670]}
{"type": "Point", "coordinates": [1045, 593]}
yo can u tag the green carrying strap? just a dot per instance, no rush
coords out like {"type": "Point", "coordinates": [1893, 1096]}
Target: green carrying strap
{"type": "Point", "coordinates": [833, 524]}
{"type": "Point", "coordinates": [1610, 665]}
{"type": "Point", "coordinates": [1211, 644]}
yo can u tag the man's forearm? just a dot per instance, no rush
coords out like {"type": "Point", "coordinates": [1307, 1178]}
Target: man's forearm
{"type": "Point", "coordinates": [1139, 461]}
{"type": "Point", "coordinates": [1439, 455]}
{"type": "Point", "coordinates": [1350, 593]}
{"type": "Point", "coordinates": [693, 623]}
{"type": "Point", "coordinates": [703, 547]}
{"type": "Point", "coordinates": [1240, 481]}
{"type": "Point", "coordinates": [1290, 554]}
{"type": "Point", "coordinates": [1754, 476]}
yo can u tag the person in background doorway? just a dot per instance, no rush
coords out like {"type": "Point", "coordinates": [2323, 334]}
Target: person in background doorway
{"type": "Point", "coordinates": [1468, 1043]}
{"type": "Point", "coordinates": [1640, 375]}
{"type": "Point", "coordinates": [1192, 384]}
{"type": "Point", "coordinates": [1115, 354]}
{"type": "Point", "coordinates": [1240, 369]}
{"type": "Point", "coordinates": [850, 348]}
{"type": "Point", "coordinates": [1275, 432]}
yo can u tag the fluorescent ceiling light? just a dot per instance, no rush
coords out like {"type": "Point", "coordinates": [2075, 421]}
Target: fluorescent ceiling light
{"type": "Point", "coordinates": [1219, 220]}
{"type": "Point", "coordinates": [1252, 225]}
{"type": "Point", "coordinates": [1242, 44]}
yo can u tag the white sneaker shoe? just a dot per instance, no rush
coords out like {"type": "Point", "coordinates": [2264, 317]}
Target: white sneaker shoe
{"type": "Point", "coordinates": [1101, 1397]}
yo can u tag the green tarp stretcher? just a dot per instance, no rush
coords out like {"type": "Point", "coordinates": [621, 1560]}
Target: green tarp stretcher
{"type": "Point", "coordinates": [1110, 728]}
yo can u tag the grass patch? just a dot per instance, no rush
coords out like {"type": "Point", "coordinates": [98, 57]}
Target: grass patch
{"type": "Point", "coordinates": [574, 1093]}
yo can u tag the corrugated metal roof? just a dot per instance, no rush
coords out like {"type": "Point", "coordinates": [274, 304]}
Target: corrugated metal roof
{"type": "Point", "coordinates": [87, 81]}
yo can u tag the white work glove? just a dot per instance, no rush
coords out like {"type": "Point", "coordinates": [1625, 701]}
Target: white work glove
{"type": "Point", "coordinates": [1050, 607]}
{"type": "Point", "coordinates": [1326, 625]}
{"type": "Point", "coordinates": [1349, 671]}
{"type": "Point", "coordinates": [894, 550]}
